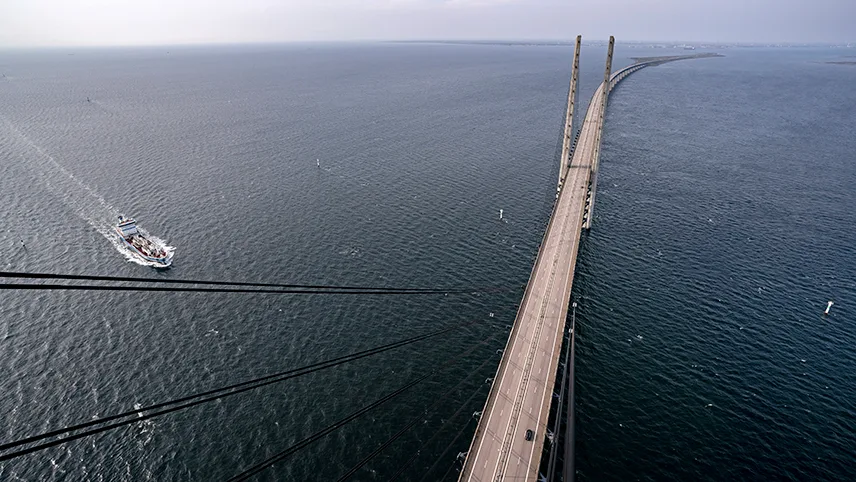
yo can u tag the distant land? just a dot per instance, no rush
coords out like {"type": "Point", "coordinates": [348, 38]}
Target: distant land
{"type": "Point", "coordinates": [668, 58]}
{"type": "Point", "coordinates": [630, 43]}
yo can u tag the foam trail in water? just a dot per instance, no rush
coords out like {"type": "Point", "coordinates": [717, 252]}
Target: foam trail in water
{"type": "Point", "coordinates": [85, 202]}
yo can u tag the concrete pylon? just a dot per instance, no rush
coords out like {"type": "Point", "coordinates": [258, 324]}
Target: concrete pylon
{"type": "Point", "coordinates": [568, 136]}
{"type": "Point", "coordinates": [604, 95]}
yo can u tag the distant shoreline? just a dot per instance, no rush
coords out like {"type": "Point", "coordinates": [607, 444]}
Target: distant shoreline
{"type": "Point", "coordinates": [702, 55]}
{"type": "Point", "coordinates": [675, 44]}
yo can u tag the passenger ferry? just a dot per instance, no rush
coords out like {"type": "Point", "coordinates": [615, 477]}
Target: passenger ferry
{"type": "Point", "coordinates": [142, 246]}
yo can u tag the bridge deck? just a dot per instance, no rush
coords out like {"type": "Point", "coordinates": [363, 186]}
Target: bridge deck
{"type": "Point", "coordinates": [521, 395]}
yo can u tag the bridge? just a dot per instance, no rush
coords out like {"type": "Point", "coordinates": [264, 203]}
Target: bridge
{"type": "Point", "coordinates": [520, 399]}
{"type": "Point", "coordinates": [522, 391]}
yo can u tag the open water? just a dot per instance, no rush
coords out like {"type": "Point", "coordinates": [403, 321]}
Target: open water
{"type": "Point", "coordinates": [725, 221]}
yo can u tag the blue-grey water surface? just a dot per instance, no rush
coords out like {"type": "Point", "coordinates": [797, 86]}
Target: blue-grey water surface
{"type": "Point", "coordinates": [724, 222]}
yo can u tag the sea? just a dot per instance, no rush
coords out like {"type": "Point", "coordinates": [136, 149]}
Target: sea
{"type": "Point", "coordinates": [725, 222]}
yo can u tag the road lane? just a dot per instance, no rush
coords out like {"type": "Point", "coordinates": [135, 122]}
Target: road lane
{"type": "Point", "coordinates": [522, 393]}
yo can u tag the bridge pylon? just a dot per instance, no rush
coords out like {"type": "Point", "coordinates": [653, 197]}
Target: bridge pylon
{"type": "Point", "coordinates": [604, 95]}
{"type": "Point", "coordinates": [512, 431]}
{"type": "Point", "coordinates": [568, 140]}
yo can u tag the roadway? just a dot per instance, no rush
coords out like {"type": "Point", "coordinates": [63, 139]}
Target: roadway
{"type": "Point", "coordinates": [521, 395]}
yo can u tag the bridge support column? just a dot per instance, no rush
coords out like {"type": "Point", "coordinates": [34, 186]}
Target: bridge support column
{"type": "Point", "coordinates": [517, 394]}
{"type": "Point", "coordinates": [569, 116]}
{"type": "Point", "coordinates": [604, 95]}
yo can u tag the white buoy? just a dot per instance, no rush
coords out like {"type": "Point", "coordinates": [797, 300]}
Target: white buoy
{"type": "Point", "coordinates": [318, 162]}
{"type": "Point", "coordinates": [828, 306]}
{"type": "Point", "coordinates": [500, 214]}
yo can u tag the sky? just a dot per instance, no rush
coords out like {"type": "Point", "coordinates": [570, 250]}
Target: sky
{"type": "Point", "coordinates": [169, 22]}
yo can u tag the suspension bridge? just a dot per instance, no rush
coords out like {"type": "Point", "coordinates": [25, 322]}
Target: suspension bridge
{"type": "Point", "coordinates": [509, 440]}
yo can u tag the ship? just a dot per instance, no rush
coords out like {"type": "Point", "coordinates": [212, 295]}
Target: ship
{"type": "Point", "coordinates": [133, 238]}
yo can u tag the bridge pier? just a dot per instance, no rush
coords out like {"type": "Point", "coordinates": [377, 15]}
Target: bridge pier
{"type": "Point", "coordinates": [604, 96]}
{"type": "Point", "coordinates": [567, 148]}
{"type": "Point", "coordinates": [509, 439]}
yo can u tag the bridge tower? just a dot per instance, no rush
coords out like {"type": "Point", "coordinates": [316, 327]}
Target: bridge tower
{"type": "Point", "coordinates": [568, 144]}
{"type": "Point", "coordinates": [512, 431]}
{"type": "Point", "coordinates": [604, 95]}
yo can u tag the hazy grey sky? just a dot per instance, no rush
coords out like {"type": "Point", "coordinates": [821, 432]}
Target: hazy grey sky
{"type": "Point", "coordinates": [123, 22]}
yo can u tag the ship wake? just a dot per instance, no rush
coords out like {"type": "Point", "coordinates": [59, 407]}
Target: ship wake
{"type": "Point", "coordinates": [76, 194]}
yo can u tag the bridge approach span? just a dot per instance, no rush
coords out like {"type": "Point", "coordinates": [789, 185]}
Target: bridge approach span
{"type": "Point", "coordinates": [521, 394]}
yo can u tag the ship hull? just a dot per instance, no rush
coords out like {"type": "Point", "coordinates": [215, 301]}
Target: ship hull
{"type": "Point", "coordinates": [163, 262]}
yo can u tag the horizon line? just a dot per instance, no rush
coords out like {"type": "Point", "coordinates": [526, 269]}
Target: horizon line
{"type": "Point", "coordinates": [483, 41]}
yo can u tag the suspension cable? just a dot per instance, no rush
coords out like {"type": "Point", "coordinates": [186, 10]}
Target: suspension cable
{"type": "Point", "coordinates": [353, 470]}
{"type": "Point", "coordinates": [31, 286]}
{"type": "Point", "coordinates": [75, 277]}
{"type": "Point", "coordinates": [255, 469]}
{"type": "Point", "coordinates": [412, 459]}
{"type": "Point", "coordinates": [443, 454]}
{"type": "Point", "coordinates": [203, 397]}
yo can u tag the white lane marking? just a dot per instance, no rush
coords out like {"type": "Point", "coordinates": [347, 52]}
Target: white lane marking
{"type": "Point", "coordinates": [585, 135]}
{"type": "Point", "coordinates": [537, 339]}
{"type": "Point", "coordinates": [565, 288]}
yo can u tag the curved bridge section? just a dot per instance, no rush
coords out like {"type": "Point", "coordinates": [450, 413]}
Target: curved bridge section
{"type": "Point", "coordinates": [521, 394]}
